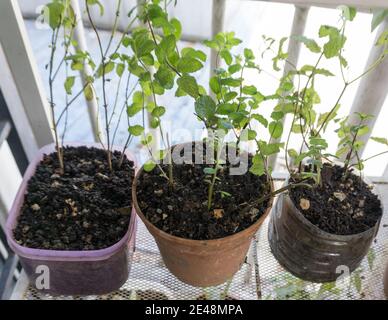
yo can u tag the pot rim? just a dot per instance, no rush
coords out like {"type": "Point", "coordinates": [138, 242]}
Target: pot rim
{"type": "Point", "coordinates": [193, 242]}
{"type": "Point", "coordinates": [62, 255]}
{"type": "Point", "coordinates": [334, 236]}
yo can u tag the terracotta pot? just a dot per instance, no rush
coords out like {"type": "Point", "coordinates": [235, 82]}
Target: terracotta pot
{"type": "Point", "coordinates": [201, 263]}
{"type": "Point", "coordinates": [309, 252]}
{"type": "Point", "coordinates": [73, 272]}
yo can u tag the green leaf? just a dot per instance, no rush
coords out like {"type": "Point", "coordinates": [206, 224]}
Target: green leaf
{"type": "Point", "coordinates": [161, 154]}
{"type": "Point", "coordinates": [142, 45]}
{"type": "Point", "coordinates": [297, 128]}
{"type": "Point", "coordinates": [155, 123]}
{"type": "Point", "coordinates": [286, 86]}
{"type": "Point", "coordinates": [383, 39]}
{"type": "Point", "coordinates": [93, 2]}
{"type": "Point", "coordinates": [88, 92]}
{"type": "Point", "coordinates": [75, 65]}
{"type": "Point", "coordinates": [148, 59]}
{"type": "Point", "coordinates": [327, 117]}
{"type": "Point", "coordinates": [311, 69]}
{"type": "Point", "coordinates": [205, 107]}
{"type": "Point", "coordinates": [343, 61]}
{"type": "Point", "coordinates": [126, 41]}
{"type": "Point", "coordinates": [260, 119]}
{"type": "Point", "coordinates": [248, 54]}
{"type": "Point", "coordinates": [249, 90]}
{"type": "Point", "coordinates": [257, 167]}
{"type": "Point", "coordinates": [226, 55]}
{"type": "Point", "coordinates": [230, 95]}
{"type": "Point", "coordinates": [55, 13]}
{"type": "Point", "coordinates": [280, 55]}
{"type": "Point", "coordinates": [292, 153]}
{"type": "Point", "coordinates": [209, 170]}
{"type": "Point", "coordinates": [341, 151]}
{"type": "Point", "coordinates": [362, 130]}
{"type": "Point", "coordinates": [378, 17]}
{"type": "Point", "coordinates": [231, 82]}
{"type": "Point", "coordinates": [149, 166]}
{"type": "Point", "coordinates": [189, 85]}
{"type": "Point", "coordinates": [136, 130]}
{"type": "Point", "coordinates": [380, 140]}
{"type": "Point", "coordinates": [300, 157]}
{"type": "Point", "coordinates": [120, 69]}
{"type": "Point", "coordinates": [224, 124]}
{"type": "Point", "coordinates": [251, 134]}
{"type": "Point", "coordinates": [271, 148]}
{"type": "Point", "coordinates": [166, 47]}
{"type": "Point", "coordinates": [69, 83]}
{"type": "Point", "coordinates": [215, 85]}
{"type": "Point", "coordinates": [165, 77]}
{"type": "Point", "coordinates": [159, 111]}
{"type": "Point", "coordinates": [226, 108]}
{"type": "Point", "coordinates": [188, 65]}
{"type": "Point", "coordinates": [212, 44]}
{"type": "Point", "coordinates": [309, 43]}
{"type": "Point", "coordinates": [177, 26]}
{"type": "Point", "coordinates": [190, 52]}
{"type": "Point", "coordinates": [275, 129]}
{"type": "Point", "coordinates": [234, 68]}
{"type": "Point", "coordinates": [336, 41]}
{"type": "Point", "coordinates": [147, 139]}
{"type": "Point", "coordinates": [318, 142]}
{"type": "Point", "coordinates": [349, 13]}
{"type": "Point", "coordinates": [108, 67]}
{"type": "Point", "coordinates": [277, 115]}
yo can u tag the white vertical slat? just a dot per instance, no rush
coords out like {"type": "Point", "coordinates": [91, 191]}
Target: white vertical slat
{"type": "Point", "coordinates": [12, 98]}
{"type": "Point", "coordinates": [372, 90]}
{"type": "Point", "coordinates": [298, 27]}
{"type": "Point", "coordinates": [218, 11]}
{"type": "Point", "coordinates": [385, 174]}
{"type": "Point", "coordinates": [79, 35]}
{"type": "Point", "coordinates": [20, 59]}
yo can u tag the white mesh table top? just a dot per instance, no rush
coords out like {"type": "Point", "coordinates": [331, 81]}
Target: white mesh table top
{"type": "Point", "coordinates": [150, 279]}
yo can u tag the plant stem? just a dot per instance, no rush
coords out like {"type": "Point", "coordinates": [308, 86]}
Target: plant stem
{"type": "Point", "coordinates": [349, 155]}
{"type": "Point", "coordinates": [105, 102]}
{"type": "Point", "coordinates": [332, 109]}
{"type": "Point", "coordinates": [376, 155]}
{"type": "Point", "coordinates": [274, 193]}
{"type": "Point", "coordinates": [214, 176]}
{"type": "Point", "coordinates": [114, 27]}
{"type": "Point", "coordinates": [170, 171]}
{"type": "Point", "coordinates": [69, 103]}
{"type": "Point", "coordinates": [58, 148]}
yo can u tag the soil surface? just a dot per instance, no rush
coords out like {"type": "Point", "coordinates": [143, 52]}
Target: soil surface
{"type": "Point", "coordinates": [76, 210]}
{"type": "Point", "coordinates": [342, 206]}
{"type": "Point", "coordinates": [182, 210]}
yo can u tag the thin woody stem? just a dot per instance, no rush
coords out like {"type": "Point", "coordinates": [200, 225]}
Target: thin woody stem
{"type": "Point", "coordinates": [105, 102]}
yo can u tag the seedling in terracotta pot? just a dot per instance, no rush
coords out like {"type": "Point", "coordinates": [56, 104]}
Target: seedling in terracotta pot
{"type": "Point", "coordinates": [199, 213]}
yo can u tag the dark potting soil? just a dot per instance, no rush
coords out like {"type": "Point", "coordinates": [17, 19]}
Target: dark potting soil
{"type": "Point", "coordinates": [340, 206]}
{"type": "Point", "coordinates": [182, 210]}
{"type": "Point", "coordinates": [76, 210]}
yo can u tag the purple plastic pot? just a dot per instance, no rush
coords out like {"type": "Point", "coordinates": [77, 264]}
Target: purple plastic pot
{"type": "Point", "coordinates": [72, 272]}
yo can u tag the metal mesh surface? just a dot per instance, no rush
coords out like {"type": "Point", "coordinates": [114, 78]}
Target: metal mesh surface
{"type": "Point", "coordinates": [149, 279]}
